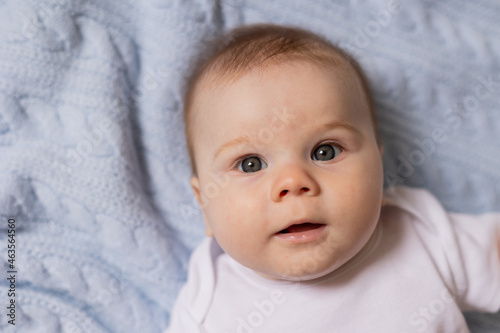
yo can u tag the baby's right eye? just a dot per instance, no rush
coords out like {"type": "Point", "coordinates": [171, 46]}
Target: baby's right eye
{"type": "Point", "coordinates": [251, 164]}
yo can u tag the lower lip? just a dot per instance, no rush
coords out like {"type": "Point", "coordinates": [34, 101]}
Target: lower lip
{"type": "Point", "coordinates": [303, 236]}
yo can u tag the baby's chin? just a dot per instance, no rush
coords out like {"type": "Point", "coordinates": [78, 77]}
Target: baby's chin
{"type": "Point", "coordinates": [300, 276]}
{"type": "Point", "coordinates": [304, 272]}
{"type": "Point", "coordinates": [307, 277]}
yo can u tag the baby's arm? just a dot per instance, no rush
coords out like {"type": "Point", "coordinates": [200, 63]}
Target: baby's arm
{"type": "Point", "coordinates": [479, 240]}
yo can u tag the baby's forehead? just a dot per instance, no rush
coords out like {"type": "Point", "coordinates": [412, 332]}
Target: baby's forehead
{"type": "Point", "coordinates": [219, 78]}
{"type": "Point", "coordinates": [257, 86]}
{"type": "Point", "coordinates": [342, 81]}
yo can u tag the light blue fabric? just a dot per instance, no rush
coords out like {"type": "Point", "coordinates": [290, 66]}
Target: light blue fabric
{"type": "Point", "coordinates": [93, 164]}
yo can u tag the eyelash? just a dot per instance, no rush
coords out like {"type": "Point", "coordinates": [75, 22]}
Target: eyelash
{"type": "Point", "coordinates": [242, 158]}
{"type": "Point", "coordinates": [333, 143]}
{"type": "Point", "coordinates": [236, 163]}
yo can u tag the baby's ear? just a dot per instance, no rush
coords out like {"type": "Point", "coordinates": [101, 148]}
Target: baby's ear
{"type": "Point", "coordinates": [195, 185]}
{"type": "Point", "coordinates": [208, 230]}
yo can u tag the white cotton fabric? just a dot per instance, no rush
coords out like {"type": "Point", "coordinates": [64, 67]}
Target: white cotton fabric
{"type": "Point", "coordinates": [421, 268]}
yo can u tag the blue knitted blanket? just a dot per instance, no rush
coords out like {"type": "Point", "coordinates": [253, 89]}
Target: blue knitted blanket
{"type": "Point", "coordinates": [93, 163]}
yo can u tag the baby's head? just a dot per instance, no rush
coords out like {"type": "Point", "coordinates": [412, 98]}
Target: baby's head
{"type": "Point", "coordinates": [286, 159]}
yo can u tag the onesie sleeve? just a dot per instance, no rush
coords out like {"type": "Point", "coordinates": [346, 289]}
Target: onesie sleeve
{"type": "Point", "coordinates": [465, 247]}
{"type": "Point", "coordinates": [195, 296]}
{"type": "Point", "coordinates": [181, 318]}
{"type": "Point", "coordinates": [478, 240]}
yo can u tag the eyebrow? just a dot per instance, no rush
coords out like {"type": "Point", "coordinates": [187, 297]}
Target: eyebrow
{"type": "Point", "coordinates": [340, 124]}
{"type": "Point", "coordinates": [237, 141]}
{"type": "Point", "coordinates": [245, 140]}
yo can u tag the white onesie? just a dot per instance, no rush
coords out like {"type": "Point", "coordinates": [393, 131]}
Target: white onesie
{"type": "Point", "coordinates": [421, 268]}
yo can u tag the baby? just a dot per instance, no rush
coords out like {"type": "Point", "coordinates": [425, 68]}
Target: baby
{"type": "Point", "coordinates": [287, 169]}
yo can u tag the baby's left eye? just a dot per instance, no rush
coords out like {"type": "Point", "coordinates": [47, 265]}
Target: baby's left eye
{"type": "Point", "coordinates": [251, 164]}
{"type": "Point", "coordinates": [326, 152]}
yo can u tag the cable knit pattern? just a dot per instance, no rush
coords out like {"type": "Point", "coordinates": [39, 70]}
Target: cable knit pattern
{"type": "Point", "coordinates": [93, 163]}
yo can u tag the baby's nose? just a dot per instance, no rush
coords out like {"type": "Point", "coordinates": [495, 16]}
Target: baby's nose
{"type": "Point", "coordinates": [294, 181]}
{"type": "Point", "coordinates": [285, 192]}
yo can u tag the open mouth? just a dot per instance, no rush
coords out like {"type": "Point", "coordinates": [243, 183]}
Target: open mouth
{"type": "Point", "coordinates": [301, 233]}
{"type": "Point", "coordinates": [302, 227]}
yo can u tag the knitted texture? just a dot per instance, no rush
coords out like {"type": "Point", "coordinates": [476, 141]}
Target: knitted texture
{"type": "Point", "coordinates": [93, 161]}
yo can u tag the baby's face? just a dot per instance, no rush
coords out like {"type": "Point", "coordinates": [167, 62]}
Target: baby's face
{"type": "Point", "coordinates": [289, 170]}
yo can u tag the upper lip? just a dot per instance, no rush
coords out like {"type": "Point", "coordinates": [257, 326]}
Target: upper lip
{"type": "Point", "coordinates": [299, 221]}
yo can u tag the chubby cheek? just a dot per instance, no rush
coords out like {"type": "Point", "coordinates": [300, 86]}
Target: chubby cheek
{"type": "Point", "coordinates": [361, 201]}
{"type": "Point", "coordinates": [369, 181]}
{"type": "Point", "coordinates": [231, 218]}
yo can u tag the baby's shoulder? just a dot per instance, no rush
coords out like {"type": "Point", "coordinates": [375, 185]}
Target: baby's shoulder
{"type": "Point", "coordinates": [404, 197]}
{"type": "Point", "coordinates": [418, 202]}
{"type": "Point", "coordinates": [196, 294]}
